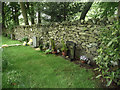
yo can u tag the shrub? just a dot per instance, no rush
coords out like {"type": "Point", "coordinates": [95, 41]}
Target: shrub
{"type": "Point", "coordinates": [41, 47]}
{"type": "Point", "coordinates": [52, 42]}
{"type": "Point", "coordinates": [48, 51]}
{"type": "Point", "coordinates": [47, 45]}
{"type": "Point", "coordinates": [9, 36]}
{"type": "Point", "coordinates": [25, 39]}
{"type": "Point", "coordinates": [109, 53]}
{"type": "Point", "coordinates": [64, 47]}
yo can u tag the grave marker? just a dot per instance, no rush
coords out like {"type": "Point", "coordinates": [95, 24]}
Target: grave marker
{"type": "Point", "coordinates": [71, 49]}
{"type": "Point", "coordinates": [35, 41]}
{"type": "Point", "coordinates": [12, 36]}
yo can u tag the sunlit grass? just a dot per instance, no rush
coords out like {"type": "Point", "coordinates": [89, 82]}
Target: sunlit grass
{"type": "Point", "coordinates": [6, 40]}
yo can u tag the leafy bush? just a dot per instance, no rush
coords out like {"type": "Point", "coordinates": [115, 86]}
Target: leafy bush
{"type": "Point", "coordinates": [25, 39]}
{"type": "Point", "coordinates": [47, 45]}
{"type": "Point", "coordinates": [52, 42]}
{"type": "Point", "coordinates": [9, 36]}
{"type": "Point", "coordinates": [48, 51]}
{"type": "Point", "coordinates": [109, 56]}
{"type": "Point", "coordinates": [41, 47]}
{"type": "Point", "coordinates": [64, 47]}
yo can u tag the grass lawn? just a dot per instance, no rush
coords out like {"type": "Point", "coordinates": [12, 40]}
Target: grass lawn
{"type": "Point", "coordinates": [28, 68]}
{"type": "Point", "coordinates": [7, 41]}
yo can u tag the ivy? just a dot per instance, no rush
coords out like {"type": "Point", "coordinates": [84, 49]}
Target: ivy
{"type": "Point", "coordinates": [109, 54]}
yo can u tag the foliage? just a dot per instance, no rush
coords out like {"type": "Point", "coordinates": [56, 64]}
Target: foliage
{"type": "Point", "coordinates": [8, 35]}
{"type": "Point", "coordinates": [60, 11]}
{"type": "Point", "coordinates": [11, 13]}
{"type": "Point", "coordinates": [47, 45]}
{"type": "Point", "coordinates": [108, 8]}
{"type": "Point", "coordinates": [0, 18]}
{"type": "Point", "coordinates": [52, 42]}
{"type": "Point", "coordinates": [109, 52]}
{"type": "Point", "coordinates": [48, 51]}
{"type": "Point", "coordinates": [64, 47]}
{"type": "Point", "coordinates": [55, 11]}
{"type": "Point", "coordinates": [25, 39]}
{"type": "Point", "coordinates": [41, 47]}
{"type": "Point", "coordinates": [103, 10]}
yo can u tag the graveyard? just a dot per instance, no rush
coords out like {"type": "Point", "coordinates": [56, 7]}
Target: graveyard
{"type": "Point", "coordinates": [76, 45]}
{"type": "Point", "coordinates": [35, 69]}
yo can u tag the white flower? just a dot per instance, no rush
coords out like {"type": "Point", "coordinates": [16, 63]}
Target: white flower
{"type": "Point", "coordinates": [114, 63]}
{"type": "Point", "coordinates": [83, 58]}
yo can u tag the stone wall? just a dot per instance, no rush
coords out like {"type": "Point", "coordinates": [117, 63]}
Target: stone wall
{"type": "Point", "coordinates": [85, 36]}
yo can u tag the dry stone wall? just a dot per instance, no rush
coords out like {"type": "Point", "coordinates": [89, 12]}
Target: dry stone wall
{"type": "Point", "coordinates": [85, 36]}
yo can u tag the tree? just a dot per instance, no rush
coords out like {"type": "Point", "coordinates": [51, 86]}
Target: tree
{"type": "Point", "coordinates": [61, 11]}
{"type": "Point", "coordinates": [24, 13]}
{"type": "Point", "coordinates": [119, 12]}
{"type": "Point", "coordinates": [10, 13]}
{"type": "Point", "coordinates": [39, 12]}
{"type": "Point", "coordinates": [85, 10]}
{"type": "Point", "coordinates": [15, 12]}
{"type": "Point", "coordinates": [3, 16]}
{"type": "Point", "coordinates": [30, 10]}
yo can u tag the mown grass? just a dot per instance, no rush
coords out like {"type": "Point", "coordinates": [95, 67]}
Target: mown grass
{"type": "Point", "coordinates": [34, 69]}
{"type": "Point", "coordinates": [6, 40]}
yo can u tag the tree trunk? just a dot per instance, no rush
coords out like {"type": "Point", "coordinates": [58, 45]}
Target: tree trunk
{"type": "Point", "coordinates": [119, 12]}
{"type": "Point", "coordinates": [32, 14]}
{"type": "Point", "coordinates": [16, 16]}
{"type": "Point", "coordinates": [3, 15]}
{"type": "Point", "coordinates": [39, 17]}
{"type": "Point", "coordinates": [24, 13]}
{"type": "Point", "coordinates": [85, 10]}
{"type": "Point", "coordinates": [39, 14]}
{"type": "Point", "coordinates": [64, 11]}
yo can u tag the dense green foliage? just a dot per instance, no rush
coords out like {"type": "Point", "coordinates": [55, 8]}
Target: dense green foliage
{"type": "Point", "coordinates": [109, 54]}
{"type": "Point", "coordinates": [108, 8]}
{"type": "Point", "coordinates": [43, 12]}
{"type": "Point", "coordinates": [52, 43]}
{"type": "Point", "coordinates": [11, 13]}
{"type": "Point", "coordinates": [25, 39]}
{"type": "Point", "coordinates": [61, 11]}
{"type": "Point", "coordinates": [103, 10]}
{"type": "Point", "coordinates": [64, 47]}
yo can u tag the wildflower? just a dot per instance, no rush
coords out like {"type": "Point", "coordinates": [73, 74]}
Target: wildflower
{"type": "Point", "coordinates": [83, 58]}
